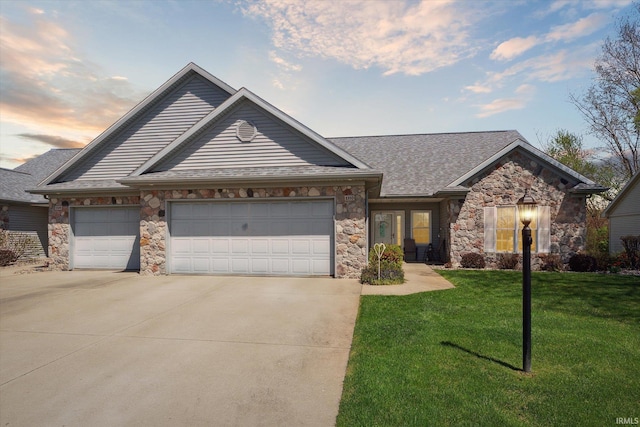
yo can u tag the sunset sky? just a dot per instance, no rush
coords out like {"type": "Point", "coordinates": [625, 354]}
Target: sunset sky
{"type": "Point", "coordinates": [69, 69]}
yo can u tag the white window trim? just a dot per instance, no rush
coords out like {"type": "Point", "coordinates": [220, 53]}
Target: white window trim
{"type": "Point", "coordinates": [543, 230]}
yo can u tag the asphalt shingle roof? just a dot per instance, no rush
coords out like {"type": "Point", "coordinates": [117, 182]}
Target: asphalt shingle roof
{"type": "Point", "coordinates": [15, 182]}
{"type": "Point", "coordinates": [420, 165]}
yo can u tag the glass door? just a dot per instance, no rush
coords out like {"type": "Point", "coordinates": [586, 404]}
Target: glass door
{"type": "Point", "coordinates": [388, 227]}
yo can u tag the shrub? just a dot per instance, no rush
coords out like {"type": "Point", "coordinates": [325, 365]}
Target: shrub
{"type": "Point", "coordinates": [392, 253]}
{"type": "Point", "coordinates": [7, 256]}
{"type": "Point", "coordinates": [508, 261]}
{"type": "Point", "coordinates": [551, 262]}
{"type": "Point", "coordinates": [472, 260]}
{"type": "Point", "coordinates": [631, 246]}
{"type": "Point", "coordinates": [12, 246]}
{"type": "Point", "coordinates": [582, 262]}
{"type": "Point", "coordinates": [391, 272]}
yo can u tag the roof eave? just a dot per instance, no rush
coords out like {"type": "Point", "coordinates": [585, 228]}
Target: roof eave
{"type": "Point", "coordinates": [261, 180]}
{"type": "Point", "coordinates": [71, 191]}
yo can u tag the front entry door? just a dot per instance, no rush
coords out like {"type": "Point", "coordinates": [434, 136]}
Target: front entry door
{"type": "Point", "coordinates": [388, 227]}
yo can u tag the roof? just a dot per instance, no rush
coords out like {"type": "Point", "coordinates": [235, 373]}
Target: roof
{"type": "Point", "coordinates": [15, 182]}
{"type": "Point", "coordinates": [422, 164]}
{"type": "Point", "coordinates": [622, 194]}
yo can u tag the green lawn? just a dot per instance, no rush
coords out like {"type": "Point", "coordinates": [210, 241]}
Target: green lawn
{"type": "Point", "coordinates": [453, 357]}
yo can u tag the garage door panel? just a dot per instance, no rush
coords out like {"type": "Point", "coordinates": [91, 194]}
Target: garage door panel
{"type": "Point", "coordinates": [280, 266]}
{"type": "Point", "coordinates": [321, 209]}
{"type": "Point", "coordinates": [220, 266]}
{"type": "Point", "coordinates": [181, 211]}
{"type": "Point", "coordinates": [106, 238]}
{"type": "Point", "coordinates": [280, 246]}
{"type": "Point", "coordinates": [220, 246]}
{"type": "Point", "coordinates": [301, 266]}
{"type": "Point", "coordinates": [201, 211]}
{"type": "Point", "coordinates": [320, 246]}
{"type": "Point", "coordinates": [260, 265]}
{"type": "Point", "coordinates": [260, 246]}
{"type": "Point", "coordinates": [300, 210]}
{"type": "Point", "coordinates": [201, 246]}
{"type": "Point", "coordinates": [240, 246]}
{"type": "Point", "coordinates": [300, 247]}
{"type": "Point", "coordinates": [265, 237]}
{"type": "Point", "coordinates": [240, 265]}
{"type": "Point", "coordinates": [201, 265]}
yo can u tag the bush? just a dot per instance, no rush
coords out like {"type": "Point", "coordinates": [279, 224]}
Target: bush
{"type": "Point", "coordinates": [472, 260]}
{"type": "Point", "coordinates": [7, 257]}
{"type": "Point", "coordinates": [12, 246]}
{"type": "Point", "coordinates": [508, 261]}
{"type": "Point", "coordinates": [391, 272]}
{"type": "Point", "coordinates": [631, 246]}
{"type": "Point", "coordinates": [551, 262]}
{"type": "Point", "coordinates": [582, 262]}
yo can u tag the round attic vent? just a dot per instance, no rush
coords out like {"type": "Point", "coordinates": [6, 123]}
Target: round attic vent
{"type": "Point", "coordinates": [246, 131]}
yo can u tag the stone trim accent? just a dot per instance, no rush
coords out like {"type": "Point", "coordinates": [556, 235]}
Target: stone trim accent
{"type": "Point", "coordinates": [503, 185]}
{"type": "Point", "coordinates": [60, 228]}
{"type": "Point", "coordinates": [350, 232]}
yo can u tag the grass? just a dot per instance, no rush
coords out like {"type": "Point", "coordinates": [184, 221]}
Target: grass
{"type": "Point", "coordinates": [453, 357]}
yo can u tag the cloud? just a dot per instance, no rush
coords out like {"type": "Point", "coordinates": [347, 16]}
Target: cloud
{"type": "Point", "coordinates": [478, 88]}
{"type": "Point", "coordinates": [514, 47]}
{"type": "Point", "coordinates": [582, 27]}
{"type": "Point", "coordinates": [46, 84]}
{"type": "Point", "coordinates": [282, 63]}
{"type": "Point", "coordinates": [396, 36]}
{"type": "Point", "coordinates": [523, 94]}
{"type": "Point", "coordinates": [53, 140]}
{"type": "Point", "coordinates": [500, 106]}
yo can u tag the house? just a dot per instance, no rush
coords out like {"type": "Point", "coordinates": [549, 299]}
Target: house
{"type": "Point", "coordinates": [624, 214]}
{"type": "Point", "coordinates": [27, 213]}
{"type": "Point", "coordinates": [202, 178]}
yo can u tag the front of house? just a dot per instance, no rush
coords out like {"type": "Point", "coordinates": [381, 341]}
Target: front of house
{"type": "Point", "coordinates": [200, 178]}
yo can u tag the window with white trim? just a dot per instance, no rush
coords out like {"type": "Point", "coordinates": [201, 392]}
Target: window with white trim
{"type": "Point", "coordinates": [503, 229]}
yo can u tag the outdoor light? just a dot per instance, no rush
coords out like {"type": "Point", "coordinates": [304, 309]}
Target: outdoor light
{"type": "Point", "coordinates": [526, 211]}
{"type": "Point", "coordinates": [526, 208]}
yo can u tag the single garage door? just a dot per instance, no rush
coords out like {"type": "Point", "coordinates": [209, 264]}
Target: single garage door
{"type": "Point", "coordinates": [259, 238]}
{"type": "Point", "coordinates": [106, 238]}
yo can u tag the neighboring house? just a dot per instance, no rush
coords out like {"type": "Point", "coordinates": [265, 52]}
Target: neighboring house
{"type": "Point", "coordinates": [202, 178]}
{"type": "Point", "coordinates": [24, 212]}
{"type": "Point", "coordinates": [624, 214]}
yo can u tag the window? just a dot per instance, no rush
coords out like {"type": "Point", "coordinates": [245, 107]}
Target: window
{"type": "Point", "coordinates": [503, 230]}
{"type": "Point", "coordinates": [421, 226]}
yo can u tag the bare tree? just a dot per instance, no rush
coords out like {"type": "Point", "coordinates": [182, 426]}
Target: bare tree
{"type": "Point", "coordinates": [611, 105]}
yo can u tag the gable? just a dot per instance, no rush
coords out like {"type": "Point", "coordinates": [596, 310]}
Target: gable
{"type": "Point", "coordinates": [274, 144]}
{"type": "Point", "coordinates": [627, 202]}
{"type": "Point", "coordinates": [151, 130]}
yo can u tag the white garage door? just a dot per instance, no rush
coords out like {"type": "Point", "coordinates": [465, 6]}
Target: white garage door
{"type": "Point", "coordinates": [261, 238]}
{"type": "Point", "coordinates": [106, 238]}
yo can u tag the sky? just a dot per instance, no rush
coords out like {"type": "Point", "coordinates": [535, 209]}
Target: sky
{"type": "Point", "coordinates": [69, 69]}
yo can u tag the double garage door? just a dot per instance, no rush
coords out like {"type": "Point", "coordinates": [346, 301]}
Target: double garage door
{"type": "Point", "coordinates": [107, 238]}
{"type": "Point", "coordinates": [258, 238]}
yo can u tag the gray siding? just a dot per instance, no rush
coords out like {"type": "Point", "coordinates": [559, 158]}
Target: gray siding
{"type": "Point", "coordinates": [620, 226]}
{"type": "Point", "coordinates": [275, 144]}
{"type": "Point", "coordinates": [162, 123]}
{"type": "Point", "coordinates": [630, 203]}
{"type": "Point", "coordinates": [31, 221]}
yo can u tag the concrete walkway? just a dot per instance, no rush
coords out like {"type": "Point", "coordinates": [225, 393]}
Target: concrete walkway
{"type": "Point", "coordinates": [419, 278]}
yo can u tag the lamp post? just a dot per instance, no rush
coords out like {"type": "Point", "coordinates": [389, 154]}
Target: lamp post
{"type": "Point", "coordinates": [526, 211]}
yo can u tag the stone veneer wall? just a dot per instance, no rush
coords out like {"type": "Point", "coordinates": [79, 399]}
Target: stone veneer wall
{"type": "Point", "coordinates": [59, 227]}
{"type": "Point", "coordinates": [505, 185]}
{"type": "Point", "coordinates": [351, 243]}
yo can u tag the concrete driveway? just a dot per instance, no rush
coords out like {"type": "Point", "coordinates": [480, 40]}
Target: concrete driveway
{"type": "Point", "coordinates": [105, 348]}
